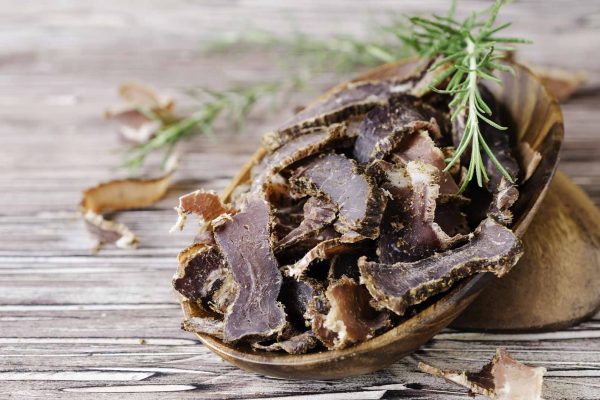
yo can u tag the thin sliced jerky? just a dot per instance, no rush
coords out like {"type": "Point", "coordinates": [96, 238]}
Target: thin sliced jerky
{"type": "Point", "coordinates": [318, 214]}
{"type": "Point", "coordinates": [119, 195]}
{"type": "Point", "coordinates": [493, 248]}
{"type": "Point", "coordinates": [386, 126]}
{"type": "Point", "coordinates": [354, 99]}
{"type": "Point", "coordinates": [205, 325]}
{"type": "Point", "coordinates": [409, 231]}
{"type": "Point", "coordinates": [145, 113]}
{"type": "Point", "coordinates": [297, 149]}
{"type": "Point", "coordinates": [296, 294]}
{"type": "Point", "coordinates": [350, 318]}
{"type": "Point", "coordinates": [205, 205]}
{"type": "Point", "coordinates": [504, 378]}
{"type": "Point", "coordinates": [204, 277]}
{"type": "Point", "coordinates": [420, 147]}
{"type": "Point", "coordinates": [298, 344]}
{"type": "Point", "coordinates": [503, 199]}
{"type": "Point", "coordinates": [360, 202]}
{"type": "Point", "coordinates": [245, 242]}
{"type": "Point", "coordinates": [322, 251]}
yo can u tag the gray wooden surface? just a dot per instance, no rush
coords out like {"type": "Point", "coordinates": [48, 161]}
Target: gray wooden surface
{"type": "Point", "coordinates": [74, 325]}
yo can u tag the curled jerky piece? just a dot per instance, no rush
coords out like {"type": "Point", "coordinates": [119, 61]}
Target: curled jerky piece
{"type": "Point", "coordinates": [322, 251]}
{"type": "Point", "coordinates": [296, 295]}
{"type": "Point", "coordinates": [386, 126]}
{"type": "Point", "coordinates": [493, 248]}
{"type": "Point", "coordinates": [360, 202]}
{"type": "Point", "coordinates": [145, 113]}
{"type": "Point", "coordinates": [353, 99]}
{"type": "Point", "coordinates": [205, 205]}
{"type": "Point", "coordinates": [350, 318]}
{"type": "Point", "coordinates": [245, 242]}
{"type": "Point", "coordinates": [318, 214]}
{"type": "Point", "coordinates": [204, 277]}
{"type": "Point", "coordinates": [504, 378]}
{"type": "Point", "coordinates": [297, 149]}
{"type": "Point", "coordinates": [420, 147]}
{"type": "Point", "coordinates": [408, 230]}
{"type": "Point", "coordinates": [298, 344]}
{"type": "Point", "coordinates": [118, 195]}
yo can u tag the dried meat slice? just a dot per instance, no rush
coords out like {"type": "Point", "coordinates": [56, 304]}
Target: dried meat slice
{"type": "Point", "coordinates": [387, 125]}
{"type": "Point", "coordinates": [119, 195]}
{"type": "Point", "coordinates": [318, 214]}
{"type": "Point", "coordinates": [205, 205]}
{"type": "Point", "coordinates": [408, 230]}
{"type": "Point", "coordinates": [204, 325]}
{"type": "Point", "coordinates": [492, 248]}
{"type": "Point", "coordinates": [359, 201]}
{"type": "Point", "coordinates": [297, 149]}
{"type": "Point", "coordinates": [420, 147]}
{"type": "Point", "coordinates": [324, 250]}
{"type": "Point", "coordinates": [296, 294]}
{"type": "Point", "coordinates": [245, 243]}
{"type": "Point", "coordinates": [145, 113]}
{"type": "Point", "coordinates": [297, 344]}
{"type": "Point", "coordinates": [504, 378]}
{"type": "Point", "coordinates": [350, 318]}
{"type": "Point", "coordinates": [203, 276]}
{"type": "Point", "coordinates": [355, 98]}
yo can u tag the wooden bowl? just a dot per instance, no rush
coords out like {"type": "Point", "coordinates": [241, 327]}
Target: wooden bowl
{"type": "Point", "coordinates": [538, 121]}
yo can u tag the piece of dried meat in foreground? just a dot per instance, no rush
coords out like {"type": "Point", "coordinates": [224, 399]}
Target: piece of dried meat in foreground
{"type": "Point", "coordinates": [350, 318]}
{"type": "Point", "coordinates": [360, 202]}
{"type": "Point", "coordinates": [504, 378]}
{"type": "Point", "coordinates": [245, 243]}
{"type": "Point", "coordinates": [492, 248]}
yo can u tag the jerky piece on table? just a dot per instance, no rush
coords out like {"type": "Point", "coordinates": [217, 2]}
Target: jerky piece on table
{"type": "Point", "coordinates": [386, 126]}
{"type": "Point", "coordinates": [355, 98]}
{"type": "Point", "coordinates": [245, 243]}
{"type": "Point", "coordinates": [492, 248]}
{"type": "Point", "coordinates": [350, 318]}
{"type": "Point", "coordinates": [116, 195]}
{"type": "Point", "coordinates": [298, 344]}
{"type": "Point", "coordinates": [359, 201]}
{"type": "Point", "coordinates": [408, 230]}
{"type": "Point", "coordinates": [297, 149]}
{"type": "Point", "coordinates": [318, 214]}
{"type": "Point", "coordinates": [504, 378]}
{"type": "Point", "coordinates": [204, 277]}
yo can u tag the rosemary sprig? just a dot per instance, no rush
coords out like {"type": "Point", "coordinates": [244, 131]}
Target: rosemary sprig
{"type": "Point", "coordinates": [234, 104]}
{"type": "Point", "coordinates": [468, 51]}
{"type": "Point", "coordinates": [339, 53]}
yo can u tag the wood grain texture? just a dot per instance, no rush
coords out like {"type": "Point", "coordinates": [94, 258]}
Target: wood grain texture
{"type": "Point", "coordinates": [65, 314]}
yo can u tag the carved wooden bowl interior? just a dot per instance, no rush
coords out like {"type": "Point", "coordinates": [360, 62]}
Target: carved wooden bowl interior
{"type": "Point", "coordinates": [537, 120]}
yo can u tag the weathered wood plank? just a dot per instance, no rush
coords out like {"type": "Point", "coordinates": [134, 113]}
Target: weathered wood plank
{"type": "Point", "coordinates": [74, 325]}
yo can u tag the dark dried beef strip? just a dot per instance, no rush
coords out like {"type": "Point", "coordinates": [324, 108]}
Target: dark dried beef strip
{"type": "Point", "coordinates": [493, 248]}
{"type": "Point", "coordinates": [385, 127]}
{"type": "Point", "coordinates": [360, 202]}
{"type": "Point", "coordinates": [245, 242]}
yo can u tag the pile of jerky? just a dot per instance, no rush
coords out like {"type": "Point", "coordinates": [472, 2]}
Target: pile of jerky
{"type": "Point", "coordinates": [348, 224]}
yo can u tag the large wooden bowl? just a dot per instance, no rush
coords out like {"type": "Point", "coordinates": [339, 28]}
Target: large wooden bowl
{"type": "Point", "coordinates": [538, 121]}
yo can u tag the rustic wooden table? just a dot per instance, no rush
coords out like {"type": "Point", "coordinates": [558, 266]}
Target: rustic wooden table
{"type": "Point", "coordinates": [76, 325]}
